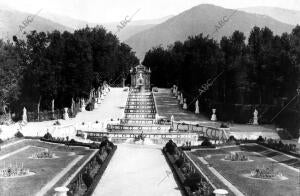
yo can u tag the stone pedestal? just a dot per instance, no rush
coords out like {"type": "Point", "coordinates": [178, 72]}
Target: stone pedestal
{"type": "Point", "coordinates": [66, 115]}
{"type": "Point", "coordinates": [61, 191]}
{"type": "Point", "coordinates": [220, 192]}
{"type": "Point", "coordinates": [213, 116]}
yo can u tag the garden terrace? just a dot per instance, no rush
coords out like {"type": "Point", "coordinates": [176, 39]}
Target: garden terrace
{"type": "Point", "coordinates": [49, 173]}
{"type": "Point", "coordinates": [233, 172]}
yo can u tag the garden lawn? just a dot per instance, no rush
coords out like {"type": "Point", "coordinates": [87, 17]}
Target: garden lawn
{"type": "Point", "coordinates": [233, 171]}
{"type": "Point", "coordinates": [44, 169]}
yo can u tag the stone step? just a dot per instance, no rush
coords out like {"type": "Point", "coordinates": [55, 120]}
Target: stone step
{"type": "Point", "coordinates": [140, 111]}
{"type": "Point", "coordinates": [139, 116]}
{"type": "Point", "coordinates": [140, 107]}
{"type": "Point", "coordinates": [137, 121]}
{"type": "Point", "coordinates": [139, 103]}
{"type": "Point", "coordinates": [139, 128]}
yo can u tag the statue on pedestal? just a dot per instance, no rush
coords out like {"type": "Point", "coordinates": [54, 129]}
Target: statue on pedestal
{"type": "Point", "coordinates": [213, 116]}
{"type": "Point", "coordinates": [197, 107]}
{"type": "Point", "coordinates": [178, 95]}
{"type": "Point", "coordinates": [24, 116]}
{"type": "Point", "coordinates": [181, 99]}
{"type": "Point", "coordinates": [82, 105]}
{"type": "Point", "coordinates": [184, 104]}
{"type": "Point", "coordinates": [255, 119]}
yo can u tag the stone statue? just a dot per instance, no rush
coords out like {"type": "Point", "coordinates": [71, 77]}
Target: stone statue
{"type": "Point", "coordinates": [82, 105]}
{"type": "Point", "coordinates": [255, 118]}
{"type": "Point", "coordinates": [184, 104]}
{"type": "Point", "coordinates": [24, 116]}
{"type": "Point", "coordinates": [181, 99]}
{"type": "Point", "coordinates": [197, 107]}
{"type": "Point", "coordinates": [213, 116]}
{"type": "Point", "coordinates": [178, 95]}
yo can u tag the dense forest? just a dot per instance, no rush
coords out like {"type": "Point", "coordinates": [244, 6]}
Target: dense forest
{"type": "Point", "coordinates": [60, 66]}
{"type": "Point", "coordinates": [234, 76]}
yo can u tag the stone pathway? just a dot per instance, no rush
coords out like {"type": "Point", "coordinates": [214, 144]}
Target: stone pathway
{"type": "Point", "coordinates": [137, 170]}
{"type": "Point", "coordinates": [167, 105]}
{"type": "Point", "coordinates": [111, 107]}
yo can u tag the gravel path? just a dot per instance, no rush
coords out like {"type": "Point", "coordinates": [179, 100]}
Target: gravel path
{"type": "Point", "coordinates": [137, 170]}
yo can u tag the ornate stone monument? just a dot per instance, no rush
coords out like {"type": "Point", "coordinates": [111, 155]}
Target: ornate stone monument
{"type": "Point", "coordinates": [255, 119]}
{"type": "Point", "coordinates": [140, 77]}
{"type": "Point", "coordinates": [197, 107]}
{"type": "Point", "coordinates": [213, 116]}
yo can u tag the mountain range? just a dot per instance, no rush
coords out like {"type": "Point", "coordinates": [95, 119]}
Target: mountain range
{"type": "Point", "coordinates": [142, 35]}
{"type": "Point", "coordinates": [210, 20]}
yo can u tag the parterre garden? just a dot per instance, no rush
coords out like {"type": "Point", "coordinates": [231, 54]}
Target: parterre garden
{"type": "Point", "coordinates": [238, 167]}
{"type": "Point", "coordinates": [45, 160]}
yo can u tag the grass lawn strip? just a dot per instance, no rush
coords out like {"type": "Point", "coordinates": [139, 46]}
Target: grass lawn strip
{"type": "Point", "coordinates": [226, 182]}
{"type": "Point", "coordinates": [14, 152]}
{"type": "Point", "coordinates": [78, 169]}
{"type": "Point", "coordinates": [284, 165]}
{"type": "Point", "coordinates": [50, 184]}
{"type": "Point", "coordinates": [11, 143]}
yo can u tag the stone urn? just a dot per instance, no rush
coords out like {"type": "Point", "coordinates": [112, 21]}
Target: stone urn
{"type": "Point", "coordinates": [66, 115]}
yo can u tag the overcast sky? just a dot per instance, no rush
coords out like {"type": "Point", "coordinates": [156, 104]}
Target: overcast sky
{"type": "Point", "coordinates": [115, 10]}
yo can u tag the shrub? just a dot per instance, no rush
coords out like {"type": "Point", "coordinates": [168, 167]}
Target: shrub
{"type": "Point", "coordinates": [72, 141]}
{"type": "Point", "coordinates": [231, 140]}
{"type": "Point", "coordinates": [179, 162]}
{"type": "Point", "coordinates": [223, 125]}
{"type": "Point", "coordinates": [206, 142]}
{"type": "Point", "coordinates": [56, 123]}
{"type": "Point", "coordinates": [98, 159]}
{"type": "Point", "coordinates": [1, 141]}
{"type": "Point", "coordinates": [89, 107]}
{"type": "Point", "coordinates": [87, 179]}
{"type": "Point", "coordinates": [94, 146]}
{"type": "Point", "coordinates": [170, 147]}
{"type": "Point", "coordinates": [19, 134]}
{"type": "Point", "coordinates": [260, 139]}
{"type": "Point", "coordinates": [48, 136]}
{"type": "Point", "coordinates": [193, 181]}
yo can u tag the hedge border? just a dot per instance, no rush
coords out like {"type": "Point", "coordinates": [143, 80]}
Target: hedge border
{"type": "Point", "coordinates": [100, 172]}
{"type": "Point", "coordinates": [179, 178]}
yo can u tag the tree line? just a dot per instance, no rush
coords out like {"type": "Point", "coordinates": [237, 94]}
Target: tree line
{"type": "Point", "coordinates": [265, 69]}
{"type": "Point", "coordinates": [60, 66]}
